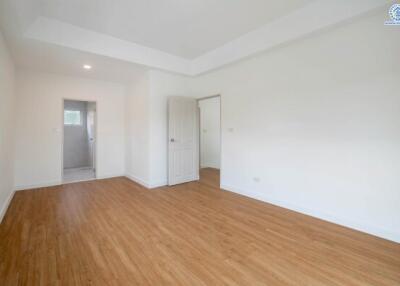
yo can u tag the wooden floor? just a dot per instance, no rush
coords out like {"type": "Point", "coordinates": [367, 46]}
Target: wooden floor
{"type": "Point", "coordinates": [114, 232]}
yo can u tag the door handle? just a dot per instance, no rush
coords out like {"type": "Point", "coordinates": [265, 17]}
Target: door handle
{"type": "Point", "coordinates": [172, 140]}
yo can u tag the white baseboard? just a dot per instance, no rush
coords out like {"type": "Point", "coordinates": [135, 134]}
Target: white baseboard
{"type": "Point", "coordinates": [360, 226]}
{"type": "Point", "coordinates": [157, 184]}
{"type": "Point", "coordinates": [109, 176]}
{"type": "Point", "coordinates": [38, 185]}
{"type": "Point", "coordinates": [60, 182]}
{"type": "Point", "coordinates": [144, 183]}
{"type": "Point", "coordinates": [137, 180]}
{"type": "Point", "coordinates": [209, 166]}
{"type": "Point", "coordinates": [5, 206]}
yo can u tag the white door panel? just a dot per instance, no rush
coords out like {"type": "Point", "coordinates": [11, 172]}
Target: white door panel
{"type": "Point", "coordinates": [183, 137]}
{"type": "Point", "coordinates": [91, 121]}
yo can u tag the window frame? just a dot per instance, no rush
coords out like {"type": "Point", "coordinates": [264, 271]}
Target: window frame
{"type": "Point", "coordinates": [73, 124]}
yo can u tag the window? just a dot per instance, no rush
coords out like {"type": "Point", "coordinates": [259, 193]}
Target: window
{"type": "Point", "coordinates": [72, 117]}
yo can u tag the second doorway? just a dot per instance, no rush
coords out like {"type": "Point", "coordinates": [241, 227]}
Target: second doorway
{"type": "Point", "coordinates": [210, 140]}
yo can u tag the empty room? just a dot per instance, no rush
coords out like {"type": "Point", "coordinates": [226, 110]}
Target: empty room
{"type": "Point", "coordinates": [247, 142]}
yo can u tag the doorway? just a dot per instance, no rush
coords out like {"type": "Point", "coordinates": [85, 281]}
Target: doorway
{"type": "Point", "coordinates": [210, 140]}
{"type": "Point", "coordinates": [79, 141]}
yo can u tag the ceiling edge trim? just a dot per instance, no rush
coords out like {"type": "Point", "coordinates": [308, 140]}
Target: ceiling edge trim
{"type": "Point", "coordinates": [295, 25]}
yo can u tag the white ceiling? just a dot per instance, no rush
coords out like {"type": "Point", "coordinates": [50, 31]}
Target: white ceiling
{"type": "Point", "coordinates": [43, 57]}
{"type": "Point", "coordinates": [185, 28]}
{"type": "Point", "coordinates": [121, 37]}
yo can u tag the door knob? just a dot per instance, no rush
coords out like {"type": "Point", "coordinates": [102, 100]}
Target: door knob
{"type": "Point", "coordinates": [172, 140]}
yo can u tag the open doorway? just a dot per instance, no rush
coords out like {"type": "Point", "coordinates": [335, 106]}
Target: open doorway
{"type": "Point", "coordinates": [210, 140]}
{"type": "Point", "coordinates": [79, 141]}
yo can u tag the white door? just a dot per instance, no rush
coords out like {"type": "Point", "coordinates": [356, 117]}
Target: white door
{"type": "Point", "coordinates": [91, 129]}
{"type": "Point", "coordinates": [183, 140]}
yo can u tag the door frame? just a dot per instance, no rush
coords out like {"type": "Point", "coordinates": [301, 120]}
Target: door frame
{"type": "Point", "coordinates": [95, 166]}
{"type": "Point", "coordinates": [220, 131]}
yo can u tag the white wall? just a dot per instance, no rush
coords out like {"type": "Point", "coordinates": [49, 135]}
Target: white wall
{"type": "Point", "coordinates": [162, 85]}
{"type": "Point", "coordinates": [39, 114]}
{"type": "Point", "coordinates": [318, 123]}
{"type": "Point", "coordinates": [7, 120]}
{"type": "Point", "coordinates": [76, 140]}
{"type": "Point", "coordinates": [210, 132]}
{"type": "Point", "coordinates": [137, 112]}
{"type": "Point", "coordinates": [146, 124]}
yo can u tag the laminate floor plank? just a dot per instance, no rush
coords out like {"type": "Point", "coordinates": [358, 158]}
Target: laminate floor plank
{"type": "Point", "coordinates": [115, 232]}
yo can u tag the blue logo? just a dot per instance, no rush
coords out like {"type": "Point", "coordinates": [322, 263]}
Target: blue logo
{"type": "Point", "coordinates": [394, 13]}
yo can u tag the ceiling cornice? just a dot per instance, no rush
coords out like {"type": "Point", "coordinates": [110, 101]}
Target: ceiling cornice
{"type": "Point", "coordinates": [317, 15]}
